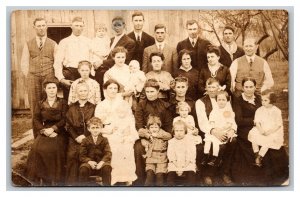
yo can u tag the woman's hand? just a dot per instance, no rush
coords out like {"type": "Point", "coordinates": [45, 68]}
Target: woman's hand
{"type": "Point", "coordinates": [48, 131]}
{"type": "Point", "coordinates": [53, 134]}
{"type": "Point", "coordinates": [79, 139]}
{"type": "Point", "coordinates": [93, 164]}
{"type": "Point", "coordinates": [219, 134]}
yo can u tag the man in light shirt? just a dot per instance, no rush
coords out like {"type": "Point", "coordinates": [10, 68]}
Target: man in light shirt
{"type": "Point", "coordinates": [171, 58]}
{"type": "Point", "coordinates": [71, 50]}
{"type": "Point", "coordinates": [37, 61]}
{"type": "Point", "coordinates": [250, 65]}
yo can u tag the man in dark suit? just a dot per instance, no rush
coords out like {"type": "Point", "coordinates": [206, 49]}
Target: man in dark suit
{"type": "Point", "coordinates": [170, 54]}
{"type": "Point", "coordinates": [120, 39]}
{"type": "Point", "coordinates": [194, 43]}
{"type": "Point", "coordinates": [141, 38]}
{"type": "Point", "coordinates": [229, 49]}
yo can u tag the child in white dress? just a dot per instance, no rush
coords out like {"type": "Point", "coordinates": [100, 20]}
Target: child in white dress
{"type": "Point", "coordinates": [94, 96]}
{"type": "Point", "coordinates": [183, 109]}
{"type": "Point", "coordinates": [221, 118]}
{"type": "Point", "coordinates": [182, 156]}
{"type": "Point", "coordinates": [100, 45]}
{"type": "Point", "coordinates": [121, 135]}
{"type": "Point", "coordinates": [268, 130]}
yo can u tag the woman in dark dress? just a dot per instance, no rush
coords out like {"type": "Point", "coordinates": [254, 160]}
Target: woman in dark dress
{"type": "Point", "coordinates": [244, 172]}
{"type": "Point", "coordinates": [77, 116]}
{"type": "Point", "coordinates": [214, 69]}
{"type": "Point", "coordinates": [46, 159]}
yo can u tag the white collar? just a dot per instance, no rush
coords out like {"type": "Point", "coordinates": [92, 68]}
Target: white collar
{"type": "Point", "coordinates": [138, 34]}
{"type": "Point", "coordinates": [250, 57]}
{"type": "Point", "coordinates": [193, 39]}
{"type": "Point", "coordinates": [120, 36]}
{"type": "Point", "coordinates": [162, 44]}
{"type": "Point", "coordinates": [251, 100]}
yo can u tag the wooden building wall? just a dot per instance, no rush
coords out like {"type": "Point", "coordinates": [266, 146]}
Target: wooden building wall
{"type": "Point", "coordinates": [22, 31]}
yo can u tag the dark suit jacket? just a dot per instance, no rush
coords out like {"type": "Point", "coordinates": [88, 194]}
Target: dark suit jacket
{"type": "Point", "coordinates": [199, 56]}
{"type": "Point", "coordinates": [170, 62]}
{"type": "Point", "coordinates": [89, 151]}
{"type": "Point", "coordinates": [146, 41]}
{"type": "Point", "coordinates": [225, 58]}
{"type": "Point", "coordinates": [125, 42]}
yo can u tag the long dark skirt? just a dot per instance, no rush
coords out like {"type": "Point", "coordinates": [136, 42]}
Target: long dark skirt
{"type": "Point", "coordinates": [274, 171]}
{"type": "Point", "coordinates": [46, 159]}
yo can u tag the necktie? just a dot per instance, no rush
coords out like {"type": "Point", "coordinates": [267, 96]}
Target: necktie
{"type": "Point", "coordinates": [159, 48]}
{"type": "Point", "coordinates": [138, 38]}
{"type": "Point", "coordinates": [193, 43]}
{"type": "Point", "coordinates": [250, 64]}
{"type": "Point", "coordinates": [41, 43]}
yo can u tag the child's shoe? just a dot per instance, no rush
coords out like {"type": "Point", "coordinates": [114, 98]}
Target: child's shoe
{"type": "Point", "coordinates": [258, 160]}
{"type": "Point", "coordinates": [205, 159]}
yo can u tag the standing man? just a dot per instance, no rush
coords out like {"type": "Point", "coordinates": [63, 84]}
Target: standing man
{"type": "Point", "coordinates": [119, 40]}
{"type": "Point", "coordinates": [171, 58]}
{"type": "Point", "coordinates": [250, 65]}
{"type": "Point", "coordinates": [229, 49]}
{"type": "Point", "coordinates": [194, 43]}
{"type": "Point", "coordinates": [37, 61]}
{"type": "Point", "coordinates": [71, 50]}
{"type": "Point", "coordinates": [141, 38]}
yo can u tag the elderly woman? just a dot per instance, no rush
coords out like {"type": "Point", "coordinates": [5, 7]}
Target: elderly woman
{"type": "Point", "coordinates": [120, 131]}
{"type": "Point", "coordinates": [275, 170]}
{"type": "Point", "coordinates": [45, 165]}
{"type": "Point", "coordinates": [214, 69]}
{"type": "Point", "coordinates": [77, 116]}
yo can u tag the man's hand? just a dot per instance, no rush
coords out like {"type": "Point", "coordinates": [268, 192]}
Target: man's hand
{"type": "Point", "coordinates": [66, 82]}
{"type": "Point", "coordinates": [93, 164]}
{"type": "Point", "coordinates": [99, 165]}
{"type": "Point", "coordinates": [79, 139]}
{"type": "Point", "coordinates": [97, 64]}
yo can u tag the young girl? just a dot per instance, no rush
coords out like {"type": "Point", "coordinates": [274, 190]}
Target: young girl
{"type": "Point", "coordinates": [221, 118]}
{"type": "Point", "coordinates": [182, 156]}
{"type": "Point", "coordinates": [268, 130]}
{"type": "Point", "coordinates": [121, 134]}
{"type": "Point", "coordinates": [183, 109]}
{"type": "Point", "coordinates": [137, 80]}
{"type": "Point", "coordinates": [84, 69]}
{"type": "Point", "coordinates": [100, 45]}
{"type": "Point", "coordinates": [120, 72]}
{"type": "Point", "coordinates": [155, 141]}
{"type": "Point", "coordinates": [164, 78]}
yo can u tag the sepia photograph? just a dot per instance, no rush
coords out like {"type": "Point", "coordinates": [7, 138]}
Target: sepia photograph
{"type": "Point", "coordinates": [149, 98]}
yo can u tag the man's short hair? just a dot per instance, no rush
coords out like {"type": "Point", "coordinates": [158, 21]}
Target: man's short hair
{"type": "Point", "coordinates": [118, 18]}
{"type": "Point", "coordinates": [137, 13]}
{"type": "Point", "coordinates": [39, 19]}
{"type": "Point", "coordinates": [77, 19]}
{"type": "Point", "coordinates": [229, 27]}
{"type": "Point", "coordinates": [94, 121]}
{"type": "Point", "coordinates": [191, 22]}
{"type": "Point", "coordinates": [160, 26]}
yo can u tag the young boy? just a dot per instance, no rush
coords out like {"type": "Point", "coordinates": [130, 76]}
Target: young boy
{"type": "Point", "coordinates": [95, 154]}
{"type": "Point", "coordinates": [156, 151]}
{"type": "Point", "coordinates": [84, 69]}
{"type": "Point", "coordinates": [182, 156]}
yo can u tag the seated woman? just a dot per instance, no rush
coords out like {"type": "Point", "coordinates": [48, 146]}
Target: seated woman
{"type": "Point", "coordinates": [214, 69]}
{"type": "Point", "coordinates": [275, 170]}
{"type": "Point", "coordinates": [77, 116]}
{"type": "Point", "coordinates": [45, 164]}
{"type": "Point", "coordinates": [120, 131]}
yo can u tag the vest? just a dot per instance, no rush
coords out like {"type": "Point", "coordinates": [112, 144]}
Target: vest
{"type": "Point", "coordinates": [208, 105]}
{"type": "Point", "coordinates": [41, 61]}
{"type": "Point", "coordinates": [244, 70]}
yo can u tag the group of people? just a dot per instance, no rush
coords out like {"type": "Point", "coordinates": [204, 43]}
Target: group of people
{"type": "Point", "coordinates": [136, 111]}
